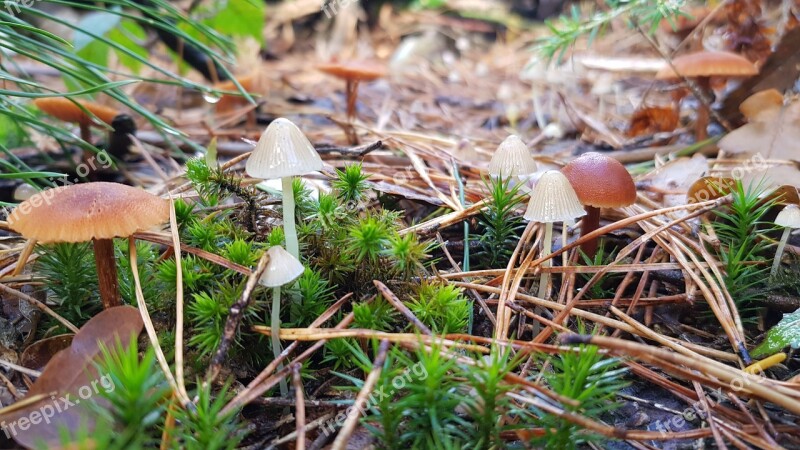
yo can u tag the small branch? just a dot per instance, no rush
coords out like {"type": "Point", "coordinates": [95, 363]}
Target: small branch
{"type": "Point", "coordinates": [300, 408]}
{"type": "Point", "coordinates": [398, 305]}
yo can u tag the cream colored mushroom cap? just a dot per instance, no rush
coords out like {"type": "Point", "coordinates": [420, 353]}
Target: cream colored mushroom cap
{"type": "Point", "coordinates": [512, 158]}
{"type": "Point", "coordinates": [789, 217]}
{"type": "Point", "coordinates": [282, 151]}
{"type": "Point", "coordinates": [283, 268]}
{"type": "Point", "coordinates": [553, 200]}
{"type": "Point", "coordinates": [82, 212]}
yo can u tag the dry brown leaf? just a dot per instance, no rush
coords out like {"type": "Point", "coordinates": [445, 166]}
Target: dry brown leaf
{"type": "Point", "coordinates": [773, 134]}
{"type": "Point", "coordinates": [673, 179]}
{"type": "Point", "coordinates": [38, 354]}
{"type": "Point", "coordinates": [653, 119]}
{"type": "Point", "coordinates": [70, 379]}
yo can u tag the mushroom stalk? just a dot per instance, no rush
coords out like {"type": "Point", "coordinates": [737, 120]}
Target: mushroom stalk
{"type": "Point", "coordinates": [779, 252]}
{"type": "Point", "coordinates": [106, 272]}
{"type": "Point", "coordinates": [86, 133]}
{"type": "Point", "coordinates": [590, 223]}
{"type": "Point", "coordinates": [275, 328]}
{"type": "Point", "coordinates": [351, 93]}
{"type": "Point", "coordinates": [703, 114]}
{"type": "Point", "coordinates": [289, 227]}
{"type": "Point", "coordinates": [546, 250]}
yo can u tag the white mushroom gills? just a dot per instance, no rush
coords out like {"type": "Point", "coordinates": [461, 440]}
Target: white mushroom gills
{"type": "Point", "coordinates": [282, 269]}
{"type": "Point", "coordinates": [552, 200]}
{"type": "Point", "coordinates": [789, 219]}
{"type": "Point", "coordinates": [283, 151]}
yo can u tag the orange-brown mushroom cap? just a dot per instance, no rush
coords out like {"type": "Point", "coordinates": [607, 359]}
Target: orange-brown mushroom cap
{"type": "Point", "coordinates": [354, 70]}
{"type": "Point", "coordinates": [710, 188]}
{"type": "Point", "coordinates": [82, 212]}
{"type": "Point", "coordinates": [600, 181]}
{"type": "Point", "coordinates": [229, 102]}
{"type": "Point", "coordinates": [708, 64]}
{"type": "Point", "coordinates": [64, 109]}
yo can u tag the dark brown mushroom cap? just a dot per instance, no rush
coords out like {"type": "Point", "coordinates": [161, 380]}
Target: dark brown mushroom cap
{"type": "Point", "coordinates": [354, 70]}
{"type": "Point", "coordinates": [600, 181]}
{"type": "Point", "coordinates": [82, 212]}
{"type": "Point", "coordinates": [708, 64]}
{"type": "Point", "coordinates": [63, 109]}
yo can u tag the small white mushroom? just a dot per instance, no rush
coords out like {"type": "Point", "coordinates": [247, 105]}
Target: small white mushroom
{"type": "Point", "coordinates": [512, 159]}
{"type": "Point", "coordinates": [789, 219]}
{"type": "Point", "coordinates": [282, 269]}
{"type": "Point", "coordinates": [552, 200]}
{"type": "Point", "coordinates": [283, 151]}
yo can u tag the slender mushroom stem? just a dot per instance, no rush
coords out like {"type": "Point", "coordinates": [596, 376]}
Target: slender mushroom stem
{"type": "Point", "coordinates": [289, 227]}
{"type": "Point", "coordinates": [564, 241]}
{"type": "Point", "coordinates": [351, 93]}
{"type": "Point", "coordinates": [106, 272]}
{"type": "Point", "coordinates": [779, 252]}
{"type": "Point", "coordinates": [591, 222]}
{"type": "Point", "coordinates": [86, 133]}
{"type": "Point", "coordinates": [703, 114]}
{"type": "Point", "coordinates": [546, 250]}
{"type": "Point", "coordinates": [275, 329]}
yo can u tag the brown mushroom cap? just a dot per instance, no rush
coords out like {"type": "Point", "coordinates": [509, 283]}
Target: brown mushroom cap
{"type": "Point", "coordinates": [600, 181]}
{"type": "Point", "coordinates": [708, 64]}
{"type": "Point", "coordinates": [229, 102]}
{"type": "Point", "coordinates": [710, 188]}
{"type": "Point", "coordinates": [64, 109]}
{"type": "Point", "coordinates": [354, 70]}
{"type": "Point", "coordinates": [783, 195]}
{"type": "Point", "coordinates": [247, 82]}
{"type": "Point", "coordinates": [82, 212]}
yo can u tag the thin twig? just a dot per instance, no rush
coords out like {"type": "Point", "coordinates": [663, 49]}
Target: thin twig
{"type": "Point", "coordinates": [39, 305]}
{"type": "Point", "coordinates": [176, 245]}
{"type": "Point", "coordinates": [299, 408]}
{"type": "Point", "coordinates": [234, 317]}
{"type": "Point", "coordinates": [340, 443]}
{"type": "Point", "coordinates": [398, 305]}
{"type": "Point", "coordinates": [148, 325]}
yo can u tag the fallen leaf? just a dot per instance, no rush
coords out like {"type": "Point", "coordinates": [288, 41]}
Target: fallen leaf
{"type": "Point", "coordinates": [653, 119]}
{"type": "Point", "coordinates": [785, 333]}
{"type": "Point", "coordinates": [774, 134]}
{"type": "Point", "coordinates": [772, 177]}
{"type": "Point", "coordinates": [69, 379]}
{"type": "Point", "coordinates": [37, 355]}
{"type": "Point", "coordinates": [674, 178]}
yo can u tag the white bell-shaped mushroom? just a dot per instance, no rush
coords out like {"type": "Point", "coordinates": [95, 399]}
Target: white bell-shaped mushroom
{"type": "Point", "coordinates": [512, 159]}
{"type": "Point", "coordinates": [552, 200]}
{"type": "Point", "coordinates": [283, 151]}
